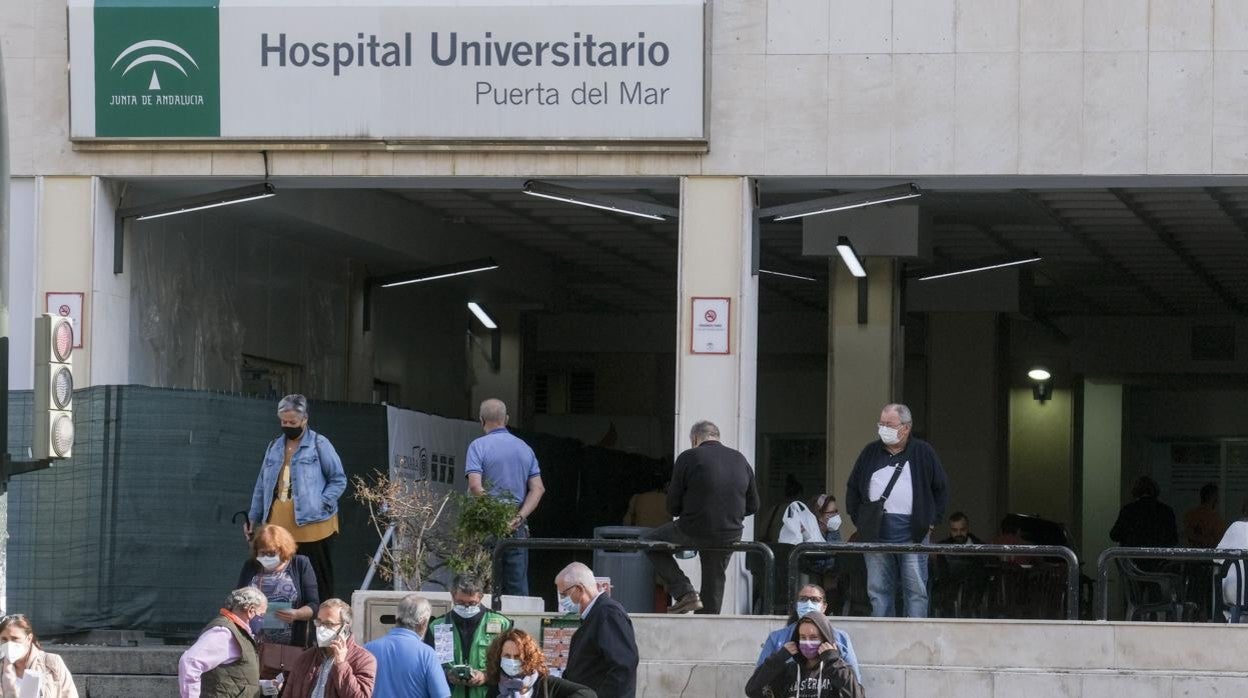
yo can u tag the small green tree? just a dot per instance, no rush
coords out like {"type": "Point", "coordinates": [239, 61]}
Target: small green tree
{"type": "Point", "coordinates": [482, 521]}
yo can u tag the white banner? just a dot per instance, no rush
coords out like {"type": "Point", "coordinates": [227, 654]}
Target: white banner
{"type": "Point", "coordinates": [425, 447]}
{"type": "Point", "coordinates": [394, 70]}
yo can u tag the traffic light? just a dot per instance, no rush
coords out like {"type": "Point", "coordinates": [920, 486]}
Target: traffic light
{"type": "Point", "coordinates": [54, 387]}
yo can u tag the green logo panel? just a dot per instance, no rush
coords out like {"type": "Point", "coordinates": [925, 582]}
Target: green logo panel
{"type": "Point", "coordinates": [157, 68]}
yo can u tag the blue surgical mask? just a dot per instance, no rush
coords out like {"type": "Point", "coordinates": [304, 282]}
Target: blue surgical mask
{"type": "Point", "coordinates": [511, 667]}
{"type": "Point", "coordinates": [568, 606]}
{"type": "Point", "coordinates": [467, 612]}
{"type": "Point", "coordinates": [805, 607]}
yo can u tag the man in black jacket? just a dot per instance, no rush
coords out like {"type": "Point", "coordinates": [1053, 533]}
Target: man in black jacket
{"type": "Point", "coordinates": [603, 653]}
{"type": "Point", "coordinates": [712, 491]}
{"type": "Point", "coordinates": [915, 504]}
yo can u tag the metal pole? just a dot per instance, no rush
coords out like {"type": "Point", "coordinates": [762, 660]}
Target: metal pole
{"type": "Point", "coordinates": [381, 549]}
{"type": "Point", "coordinates": [1111, 554]}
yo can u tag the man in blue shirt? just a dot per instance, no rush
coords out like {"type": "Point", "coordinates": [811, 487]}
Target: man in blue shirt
{"type": "Point", "coordinates": [509, 468]}
{"type": "Point", "coordinates": [406, 666]}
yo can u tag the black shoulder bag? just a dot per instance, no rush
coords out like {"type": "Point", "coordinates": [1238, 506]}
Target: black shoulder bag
{"type": "Point", "coordinates": [871, 514]}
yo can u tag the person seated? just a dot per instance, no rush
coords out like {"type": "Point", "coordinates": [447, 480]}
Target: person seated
{"type": "Point", "coordinates": [23, 655]}
{"type": "Point", "coordinates": [959, 581]}
{"type": "Point", "coordinates": [286, 580]}
{"type": "Point", "coordinates": [1202, 526]}
{"type": "Point", "coordinates": [516, 668]}
{"type": "Point", "coordinates": [1235, 538]}
{"type": "Point", "coordinates": [809, 663]}
{"type": "Point", "coordinates": [336, 667]}
{"type": "Point", "coordinates": [810, 599]}
{"type": "Point", "coordinates": [473, 628]}
{"type": "Point", "coordinates": [824, 567]}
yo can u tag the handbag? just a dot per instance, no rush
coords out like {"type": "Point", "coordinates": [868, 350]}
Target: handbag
{"type": "Point", "coordinates": [277, 658]}
{"type": "Point", "coordinates": [871, 514]}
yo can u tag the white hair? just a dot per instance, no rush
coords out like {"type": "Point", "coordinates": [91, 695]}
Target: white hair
{"type": "Point", "coordinates": [414, 612]}
{"type": "Point", "coordinates": [493, 411]}
{"type": "Point", "coordinates": [903, 412]}
{"type": "Point", "coordinates": [579, 573]}
{"type": "Point", "coordinates": [293, 403]}
{"type": "Point", "coordinates": [247, 599]}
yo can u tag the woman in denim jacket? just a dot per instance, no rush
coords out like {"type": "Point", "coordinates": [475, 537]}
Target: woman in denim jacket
{"type": "Point", "coordinates": [298, 488]}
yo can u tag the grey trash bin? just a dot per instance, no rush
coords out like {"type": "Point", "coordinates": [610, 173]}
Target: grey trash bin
{"type": "Point", "coordinates": [632, 575]}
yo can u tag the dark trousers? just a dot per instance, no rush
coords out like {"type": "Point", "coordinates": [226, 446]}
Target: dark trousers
{"type": "Point", "coordinates": [322, 565]}
{"type": "Point", "coordinates": [714, 567]}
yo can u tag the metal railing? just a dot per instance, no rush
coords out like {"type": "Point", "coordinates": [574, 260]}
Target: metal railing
{"type": "Point", "coordinates": [1172, 554]}
{"type": "Point", "coordinates": [618, 545]}
{"type": "Point", "coordinates": [1058, 551]}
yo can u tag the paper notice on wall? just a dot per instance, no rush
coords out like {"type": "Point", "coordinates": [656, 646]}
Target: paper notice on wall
{"type": "Point", "coordinates": [444, 643]}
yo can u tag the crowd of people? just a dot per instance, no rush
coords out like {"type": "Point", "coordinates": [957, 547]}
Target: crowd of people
{"type": "Point", "coordinates": [282, 631]}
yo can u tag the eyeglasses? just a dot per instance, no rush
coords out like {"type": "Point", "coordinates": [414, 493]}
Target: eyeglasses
{"type": "Point", "coordinates": [564, 592]}
{"type": "Point", "coordinates": [898, 425]}
{"type": "Point", "coordinates": [322, 624]}
{"type": "Point", "coordinates": [814, 599]}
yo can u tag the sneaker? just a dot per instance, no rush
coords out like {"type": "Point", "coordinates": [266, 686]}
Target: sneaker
{"type": "Point", "coordinates": [687, 604]}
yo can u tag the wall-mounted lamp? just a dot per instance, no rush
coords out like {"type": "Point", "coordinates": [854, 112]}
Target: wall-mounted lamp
{"type": "Point", "coordinates": [841, 202]}
{"type": "Point", "coordinates": [604, 202]}
{"type": "Point", "coordinates": [496, 336]}
{"type": "Point", "coordinates": [417, 276]}
{"type": "Point", "coordinates": [173, 207]}
{"type": "Point", "coordinates": [1041, 384]}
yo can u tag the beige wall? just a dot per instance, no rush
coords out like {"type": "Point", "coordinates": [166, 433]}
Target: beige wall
{"type": "Point", "coordinates": [822, 87]}
{"type": "Point", "coordinates": [1040, 468]}
{"type": "Point", "coordinates": [1102, 465]}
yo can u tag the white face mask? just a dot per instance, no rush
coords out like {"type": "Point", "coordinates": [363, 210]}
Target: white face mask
{"type": "Point", "coordinates": [14, 651]}
{"type": "Point", "coordinates": [326, 636]}
{"type": "Point", "coordinates": [467, 612]}
{"type": "Point", "coordinates": [889, 436]}
{"type": "Point", "coordinates": [269, 562]}
{"type": "Point", "coordinates": [834, 522]}
{"type": "Point", "coordinates": [511, 667]}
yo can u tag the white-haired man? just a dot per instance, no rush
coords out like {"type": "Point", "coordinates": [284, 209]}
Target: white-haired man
{"type": "Point", "coordinates": [406, 666]}
{"type": "Point", "coordinates": [603, 653]}
{"type": "Point", "coordinates": [508, 466]}
{"type": "Point", "coordinates": [224, 660]}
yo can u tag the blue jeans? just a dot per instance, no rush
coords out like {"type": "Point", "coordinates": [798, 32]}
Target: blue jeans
{"type": "Point", "coordinates": [513, 576]}
{"type": "Point", "coordinates": [885, 571]}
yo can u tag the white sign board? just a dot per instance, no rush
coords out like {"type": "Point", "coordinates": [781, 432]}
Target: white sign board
{"type": "Point", "coordinates": [68, 305]}
{"type": "Point", "coordinates": [712, 323]}
{"type": "Point", "coordinates": [391, 70]}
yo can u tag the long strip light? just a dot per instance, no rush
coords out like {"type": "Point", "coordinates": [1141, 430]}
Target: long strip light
{"type": "Point", "coordinates": [205, 201]}
{"type": "Point", "coordinates": [483, 316]}
{"type": "Point", "coordinates": [788, 276]}
{"type": "Point", "coordinates": [435, 273]}
{"type": "Point", "coordinates": [850, 257]}
{"type": "Point", "coordinates": [841, 202]}
{"type": "Point", "coordinates": [973, 270]}
{"type": "Point", "coordinates": [615, 204]}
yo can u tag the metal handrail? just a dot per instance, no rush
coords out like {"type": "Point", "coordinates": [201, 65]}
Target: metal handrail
{"type": "Point", "coordinates": [1111, 554]}
{"type": "Point", "coordinates": [618, 545]}
{"type": "Point", "coordinates": [1059, 551]}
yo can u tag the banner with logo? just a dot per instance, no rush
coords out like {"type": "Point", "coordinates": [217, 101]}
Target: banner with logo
{"type": "Point", "coordinates": [389, 70]}
{"type": "Point", "coordinates": [424, 447]}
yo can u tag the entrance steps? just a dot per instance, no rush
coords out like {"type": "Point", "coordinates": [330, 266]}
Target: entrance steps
{"type": "Point", "coordinates": [710, 656]}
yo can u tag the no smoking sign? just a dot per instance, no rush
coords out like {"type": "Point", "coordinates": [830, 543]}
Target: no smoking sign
{"type": "Point", "coordinates": [68, 305]}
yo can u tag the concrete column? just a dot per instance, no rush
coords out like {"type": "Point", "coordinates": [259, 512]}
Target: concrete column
{"type": "Point", "coordinates": [64, 255]}
{"type": "Point", "coordinates": [716, 223]}
{"type": "Point", "coordinates": [862, 364]}
{"type": "Point", "coordinates": [1102, 465]}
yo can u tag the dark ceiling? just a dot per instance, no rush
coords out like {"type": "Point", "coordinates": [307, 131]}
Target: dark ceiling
{"type": "Point", "coordinates": [1105, 251]}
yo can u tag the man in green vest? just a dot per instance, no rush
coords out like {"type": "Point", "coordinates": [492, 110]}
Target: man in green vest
{"type": "Point", "coordinates": [468, 630]}
{"type": "Point", "coordinates": [224, 660]}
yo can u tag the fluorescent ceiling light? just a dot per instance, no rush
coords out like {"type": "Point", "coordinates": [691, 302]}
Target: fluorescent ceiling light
{"type": "Point", "coordinates": [841, 202]}
{"type": "Point", "coordinates": [205, 201]}
{"type": "Point", "coordinates": [789, 276]}
{"type": "Point", "coordinates": [435, 273]}
{"type": "Point", "coordinates": [1039, 374]}
{"type": "Point", "coordinates": [987, 267]}
{"type": "Point", "coordinates": [482, 316]}
{"type": "Point", "coordinates": [615, 204]}
{"type": "Point", "coordinates": [850, 257]}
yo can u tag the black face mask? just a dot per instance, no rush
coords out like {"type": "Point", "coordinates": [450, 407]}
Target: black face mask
{"type": "Point", "coordinates": [292, 433]}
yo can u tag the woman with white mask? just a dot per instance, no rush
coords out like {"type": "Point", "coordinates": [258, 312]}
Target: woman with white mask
{"type": "Point", "coordinates": [287, 581]}
{"type": "Point", "coordinates": [516, 668]}
{"type": "Point", "coordinates": [24, 663]}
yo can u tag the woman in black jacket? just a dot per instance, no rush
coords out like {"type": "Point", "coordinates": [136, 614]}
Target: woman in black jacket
{"type": "Point", "coordinates": [807, 666]}
{"type": "Point", "coordinates": [284, 578]}
{"type": "Point", "coordinates": [516, 668]}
